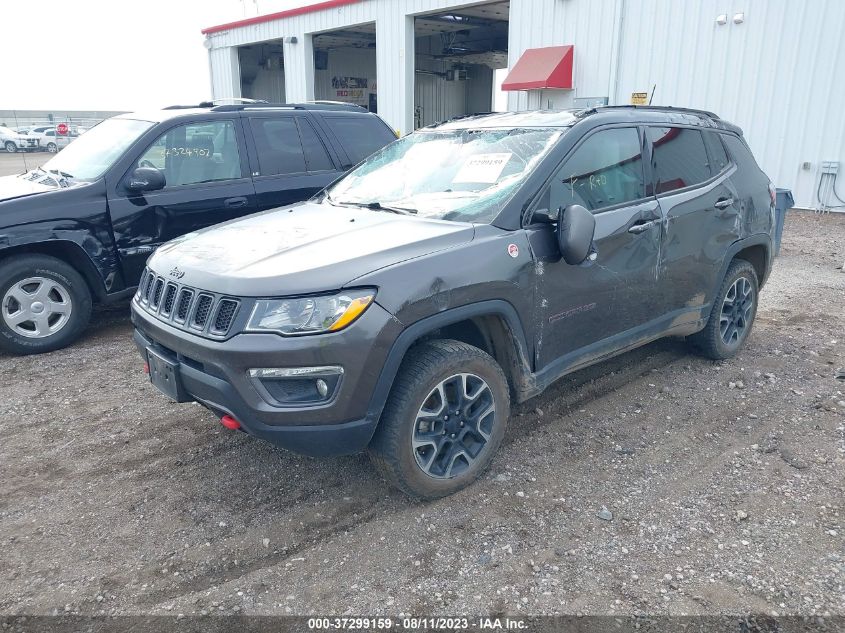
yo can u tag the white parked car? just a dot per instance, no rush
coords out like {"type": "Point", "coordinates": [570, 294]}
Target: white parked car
{"type": "Point", "coordinates": [51, 140]}
{"type": "Point", "coordinates": [13, 141]}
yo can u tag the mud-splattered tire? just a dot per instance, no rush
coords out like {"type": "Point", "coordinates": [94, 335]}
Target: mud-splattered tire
{"type": "Point", "coordinates": [732, 315]}
{"type": "Point", "coordinates": [444, 419]}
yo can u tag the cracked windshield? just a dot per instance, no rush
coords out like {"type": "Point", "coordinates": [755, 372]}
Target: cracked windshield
{"type": "Point", "coordinates": [460, 175]}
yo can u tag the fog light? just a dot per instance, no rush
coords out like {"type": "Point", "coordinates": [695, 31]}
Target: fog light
{"type": "Point", "coordinates": [292, 386]}
{"type": "Point", "coordinates": [322, 388]}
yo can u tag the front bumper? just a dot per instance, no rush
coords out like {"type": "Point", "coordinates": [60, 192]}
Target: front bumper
{"type": "Point", "coordinates": [216, 374]}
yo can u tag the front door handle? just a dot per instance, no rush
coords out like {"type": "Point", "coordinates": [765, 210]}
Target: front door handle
{"type": "Point", "coordinates": [235, 203]}
{"type": "Point", "coordinates": [642, 226]}
{"type": "Point", "coordinates": [724, 204]}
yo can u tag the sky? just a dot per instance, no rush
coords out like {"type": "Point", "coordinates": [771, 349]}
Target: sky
{"type": "Point", "coordinates": [112, 54]}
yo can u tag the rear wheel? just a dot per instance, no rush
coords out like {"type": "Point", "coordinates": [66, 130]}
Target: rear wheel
{"type": "Point", "coordinates": [732, 314]}
{"type": "Point", "coordinates": [52, 148]}
{"type": "Point", "coordinates": [444, 420]}
{"type": "Point", "coordinates": [11, 147]}
{"type": "Point", "coordinates": [44, 304]}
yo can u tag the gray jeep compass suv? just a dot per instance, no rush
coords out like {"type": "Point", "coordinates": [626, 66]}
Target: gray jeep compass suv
{"type": "Point", "coordinates": [467, 265]}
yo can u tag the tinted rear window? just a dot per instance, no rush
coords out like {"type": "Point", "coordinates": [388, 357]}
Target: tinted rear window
{"type": "Point", "coordinates": [739, 150]}
{"type": "Point", "coordinates": [278, 146]}
{"type": "Point", "coordinates": [360, 136]}
{"type": "Point", "coordinates": [680, 159]}
{"type": "Point", "coordinates": [718, 156]}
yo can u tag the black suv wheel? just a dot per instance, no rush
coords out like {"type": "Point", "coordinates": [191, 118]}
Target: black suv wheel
{"type": "Point", "coordinates": [444, 419]}
{"type": "Point", "coordinates": [44, 304]}
{"type": "Point", "coordinates": [732, 315]}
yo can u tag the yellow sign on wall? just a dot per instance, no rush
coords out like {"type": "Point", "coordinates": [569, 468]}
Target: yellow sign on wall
{"type": "Point", "coordinates": [639, 98]}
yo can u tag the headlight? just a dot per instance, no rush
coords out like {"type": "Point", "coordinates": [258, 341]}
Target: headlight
{"type": "Point", "coordinates": [310, 315]}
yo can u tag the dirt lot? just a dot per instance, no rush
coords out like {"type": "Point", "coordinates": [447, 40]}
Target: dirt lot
{"type": "Point", "coordinates": [726, 482]}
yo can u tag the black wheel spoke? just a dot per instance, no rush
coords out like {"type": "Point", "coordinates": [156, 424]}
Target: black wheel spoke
{"type": "Point", "coordinates": [737, 308]}
{"type": "Point", "coordinates": [453, 425]}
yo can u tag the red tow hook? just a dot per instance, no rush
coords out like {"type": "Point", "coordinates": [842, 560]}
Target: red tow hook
{"type": "Point", "coordinates": [146, 368]}
{"type": "Point", "coordinates": [230, 423]}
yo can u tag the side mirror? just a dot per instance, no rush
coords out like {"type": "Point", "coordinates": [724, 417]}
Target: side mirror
{"type": "Point", "coordinates": [146, 179]}
{"type": "Point", "coordinates": [575, 232]}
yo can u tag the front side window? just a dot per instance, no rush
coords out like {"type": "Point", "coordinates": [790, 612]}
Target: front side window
{"type": "Point", "coordinates": [680, 159]}
{"type": "Point", "coordinates": [604, 171]}
{"type": "Point", "coordinates": [195, 153]}
{"type": "Point", "coordinates": [463, 175]}
{"type": "Point", "coordinates": [102, 145]}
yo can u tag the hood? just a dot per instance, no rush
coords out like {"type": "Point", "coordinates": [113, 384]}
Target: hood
{"type": "Point", "coordinates": [19, 186]}
{"type": "Point", "coordinates": [302, 249]}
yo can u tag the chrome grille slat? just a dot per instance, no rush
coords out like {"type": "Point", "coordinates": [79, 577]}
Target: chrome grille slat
{"type": "Point", "coordinates": [198, 311]}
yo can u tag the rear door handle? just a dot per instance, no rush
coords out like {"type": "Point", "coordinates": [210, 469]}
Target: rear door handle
{"type": "Point", "coordinates": [724, 204]}
{"type": "Point", "coordinates": [235, 203]}
{"type": "Point", "coordinates": [642, 226]}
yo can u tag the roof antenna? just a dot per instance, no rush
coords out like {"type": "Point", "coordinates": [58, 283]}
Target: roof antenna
{"type": "Point", "coordinates": [653, 88]}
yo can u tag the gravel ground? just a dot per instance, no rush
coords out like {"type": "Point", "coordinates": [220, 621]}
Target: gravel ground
{"type": "Point", "coordinates": [657, 482]}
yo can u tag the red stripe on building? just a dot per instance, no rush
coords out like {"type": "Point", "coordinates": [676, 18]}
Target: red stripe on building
{"type": "Point", "coordinates": [312, 8]}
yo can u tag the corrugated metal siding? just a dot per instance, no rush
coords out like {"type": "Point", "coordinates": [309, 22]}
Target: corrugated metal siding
{"type": "Point", "coordinates": [780, 75]}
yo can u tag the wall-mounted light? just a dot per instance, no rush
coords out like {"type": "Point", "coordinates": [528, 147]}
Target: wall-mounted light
{"type": "Point", "coordinates": [291, 40]}
{"type": "Point", "coordinates": [722, 19]}
{"type": "Point", "coordinates": [739, 18]}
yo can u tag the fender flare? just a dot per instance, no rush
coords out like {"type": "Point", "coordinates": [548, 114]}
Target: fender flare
{"type": "Point", "coordinates": [759, 239]}
{"type": "Point", "coordinates": [415, 331]}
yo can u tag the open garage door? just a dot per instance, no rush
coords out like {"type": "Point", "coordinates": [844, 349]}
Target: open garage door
{"type": "Point", "coordinates": [457, 54]}
{"type": "Point", "coordinates": [345, 66]}
{"type": "Point", "coordinates": [263, 71]}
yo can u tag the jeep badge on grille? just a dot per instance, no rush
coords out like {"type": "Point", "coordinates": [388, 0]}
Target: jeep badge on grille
{"type": "Point", "coordinates": [178, 274]}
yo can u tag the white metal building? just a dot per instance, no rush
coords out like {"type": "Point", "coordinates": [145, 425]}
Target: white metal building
{"type": "Point", "coordinates": [774, 67]}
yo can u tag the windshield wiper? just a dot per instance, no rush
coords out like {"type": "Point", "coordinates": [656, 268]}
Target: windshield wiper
{"type": "Point", "coordinates": [378, 206]}
{"type": "Point", "coordinates": [58, 172]}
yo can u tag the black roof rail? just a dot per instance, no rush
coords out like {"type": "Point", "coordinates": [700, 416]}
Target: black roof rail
{"type": "Point", "coordinates": [308, 105]}
{"type": "Point", "coordinates": [654, 108]}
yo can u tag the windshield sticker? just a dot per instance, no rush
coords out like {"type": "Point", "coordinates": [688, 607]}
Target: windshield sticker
{"type": "Point", "coordinates": [483, 168]}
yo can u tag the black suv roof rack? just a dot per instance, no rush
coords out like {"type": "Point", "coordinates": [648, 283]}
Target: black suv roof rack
{"type": "Point", "coordinates": [249, 104]}
{"type": "Point", "coordinates": [654, 108]}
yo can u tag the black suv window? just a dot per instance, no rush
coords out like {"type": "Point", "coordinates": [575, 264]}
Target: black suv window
{"type": "Point", "coordinates": [680, 159]}
{"type": "Point", "coordinates": [360, 136]}
{"type": "Point", "coordinates": [605, 170]}
{"type": "Point", "coordinates": [278, 145]}
{"type": "Point", "coordinates": [718, 156]}
{"type": "Point", "coordinates": [316, 156]}
{"type": "Point", "coordinates": [739, 150]}
{"type": "Point", "coordinates": [196, 153]}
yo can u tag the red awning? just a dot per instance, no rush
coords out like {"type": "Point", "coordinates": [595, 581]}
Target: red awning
{"type": "Point", "coordinates": [549, 67]}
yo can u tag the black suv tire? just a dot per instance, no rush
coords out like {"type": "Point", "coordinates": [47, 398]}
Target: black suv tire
{"type": "Point", "coordinates": [67, 289]}
{"type": "Point", "coordinates": [735, 305]}
{"type": "Point", "coordinates": [430, 370]}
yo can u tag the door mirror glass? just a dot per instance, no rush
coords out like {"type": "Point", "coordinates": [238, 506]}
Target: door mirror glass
{"type": "Point", "coordinates": [575, 232]}
{"type": "Point", "coordinates": [146, 179]}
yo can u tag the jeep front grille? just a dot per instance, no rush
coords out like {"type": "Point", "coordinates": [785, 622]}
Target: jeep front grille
{"type": "Point", "coordinates": [186, 308]}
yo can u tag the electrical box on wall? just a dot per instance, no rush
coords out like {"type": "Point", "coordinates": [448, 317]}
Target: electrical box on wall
{"type": "Point", "coordinates": [456, 74]}
{"type": "Point", "coordinates": [830, 167]}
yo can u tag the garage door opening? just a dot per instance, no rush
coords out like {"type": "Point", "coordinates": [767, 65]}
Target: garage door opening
{"type": "Point", "coordinates": [263, 71]}
{"type": "Point", "coordinates": [457, 54]}
{"type": "Point", "coordinates": [345, 66]}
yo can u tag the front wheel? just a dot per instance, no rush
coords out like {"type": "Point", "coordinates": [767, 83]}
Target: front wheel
{"type": "Point", "coordinates": [44, 304]}
{"type": "Point", "coordinates": [11, 147]}
{"type": "Point", "coordinates": [52, 148]}
{"type": "Point", "coordinates": [443, 421]}
{"type": "Point", "coordinates": [732, 314]}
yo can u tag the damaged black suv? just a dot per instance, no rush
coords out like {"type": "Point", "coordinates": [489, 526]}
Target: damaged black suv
{"type": "Point", "coordinates": [467, 265]}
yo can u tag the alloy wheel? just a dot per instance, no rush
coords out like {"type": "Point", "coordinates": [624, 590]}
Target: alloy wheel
{"type": "Point", "coordinates": [737, 309]}
{"type": "Point", "coordinates": [36, 307]}
{"type": "Point", "coordinates": [453, 426]}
